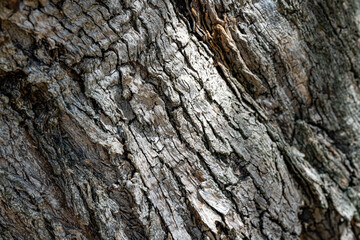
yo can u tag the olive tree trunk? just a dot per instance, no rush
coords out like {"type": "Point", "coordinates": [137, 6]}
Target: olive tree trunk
{"type": "Point", "coordinates": [180, 119]}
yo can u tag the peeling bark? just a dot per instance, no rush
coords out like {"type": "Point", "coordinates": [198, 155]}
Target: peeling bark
{"type": "Point", "coordinates": [179, 119]}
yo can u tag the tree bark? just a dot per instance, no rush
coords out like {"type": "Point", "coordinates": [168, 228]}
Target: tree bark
{"type": "Point", "coordinates": [180, 119]}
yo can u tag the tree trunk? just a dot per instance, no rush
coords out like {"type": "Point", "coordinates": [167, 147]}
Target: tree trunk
{"type": "Point", "coordinates": [180, 119]}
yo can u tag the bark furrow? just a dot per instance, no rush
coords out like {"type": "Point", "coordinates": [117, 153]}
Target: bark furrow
{"type": "Point", "coordinates": [179, 119]}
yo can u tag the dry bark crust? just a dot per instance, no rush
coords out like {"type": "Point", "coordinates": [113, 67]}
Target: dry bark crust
{"type": "Point", "coordinates": [179, 119]}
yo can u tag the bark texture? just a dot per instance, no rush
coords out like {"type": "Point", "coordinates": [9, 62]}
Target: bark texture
{"type": "Point", "coordinates": [180, 119]}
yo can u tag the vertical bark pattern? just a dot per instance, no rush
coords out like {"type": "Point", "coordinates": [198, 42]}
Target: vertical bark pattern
{"type": "Point", "coordinates": [179, 119]}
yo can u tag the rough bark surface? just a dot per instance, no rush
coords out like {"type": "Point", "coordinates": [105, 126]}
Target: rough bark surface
{"type": "Point", "coordinates": [180, 119]}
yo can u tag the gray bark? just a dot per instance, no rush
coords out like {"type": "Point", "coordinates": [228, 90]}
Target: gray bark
{"type": "Point", "coordinates": [180, 119]}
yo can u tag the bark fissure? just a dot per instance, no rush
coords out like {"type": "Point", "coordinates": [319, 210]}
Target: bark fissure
{"type": "Point", "coordinates": [179, 119]}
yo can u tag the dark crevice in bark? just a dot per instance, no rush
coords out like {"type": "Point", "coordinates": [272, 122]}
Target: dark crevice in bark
{"type": "Point", "coordinates": [79, 139]}
{"type": "Point", "coordinates": [37, 126]}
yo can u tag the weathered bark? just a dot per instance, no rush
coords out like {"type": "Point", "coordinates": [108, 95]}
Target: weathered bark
{"type": "Point", "coordinates": [179, 119]}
